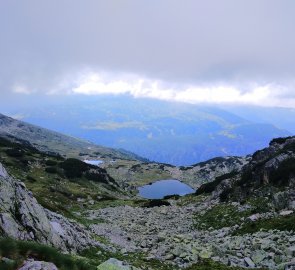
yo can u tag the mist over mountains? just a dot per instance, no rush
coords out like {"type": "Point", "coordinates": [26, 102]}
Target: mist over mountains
{"type": "Point", "coordinates": [168, 132]}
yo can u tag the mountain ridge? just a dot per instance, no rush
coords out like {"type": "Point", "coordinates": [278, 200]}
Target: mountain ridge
{"type": "Point", "coordinates": [150, 128]}
{"type": "Point", "coordinates": [242, 215]}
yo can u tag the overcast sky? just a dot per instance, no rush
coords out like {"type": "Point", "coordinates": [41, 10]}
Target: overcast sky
{"type": "Point", "coordinates": [222, 51]}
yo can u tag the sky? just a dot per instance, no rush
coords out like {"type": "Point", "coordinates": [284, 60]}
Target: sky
{"type": "Point", "coordinates": [213, 51]}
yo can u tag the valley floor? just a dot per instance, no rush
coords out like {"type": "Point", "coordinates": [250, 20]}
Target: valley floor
{"type": "Point", "coordinates": [170, 233]}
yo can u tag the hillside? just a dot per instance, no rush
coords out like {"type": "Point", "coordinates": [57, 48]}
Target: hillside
{"type": "Point", "coordinates": [165, 132]}
{"type": "Point", "coordinates": [50, 141]}
{"type": "Point", "coordinates": [242, 214]}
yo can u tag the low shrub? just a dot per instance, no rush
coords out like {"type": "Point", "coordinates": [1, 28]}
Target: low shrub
{"type": "Point", "coordinates": [220, 216]}
{"type": "Point", "coordinates": [74, 168]}
{"type": "Point", "coordinates": [282, 223]}
{"type": "Point", "coordinates": [51, 170]}
{"type": "Point", "coordinates": [14, 152]}
{"type": "Point", "coordinates": [96, 177]}
{"type": "Point", "coordinates": [154, 203]}
{"type": "Point", "coordinates": [31, 179]}
{"type": "Point", "coordinates": [174, 196]}
{"type": "Point", "coordinates": [21, 250]}
{"type": "Point", "coordinates": [281, 176]}
{"type": "Point", "coordinates": [50, 162]}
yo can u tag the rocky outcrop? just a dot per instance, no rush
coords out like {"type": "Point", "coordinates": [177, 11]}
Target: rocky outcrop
{"type": "Point", "coordinates": [270, 172]}
{"type": "Point", "coordinates": [23, 218]}
{"type": "Point", "coordinates": [207, 171]}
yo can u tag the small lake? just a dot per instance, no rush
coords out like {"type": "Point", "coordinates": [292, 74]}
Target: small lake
{"type": "Point", "coordinates": [93, 162]}
{"type": "Point", "coordinates": [163, 188]}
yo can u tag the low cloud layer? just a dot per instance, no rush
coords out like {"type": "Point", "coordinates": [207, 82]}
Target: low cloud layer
{"type": "Point", "coordinates": [261, 95]}
{"type": "Point", "coordinates": [227, 51]}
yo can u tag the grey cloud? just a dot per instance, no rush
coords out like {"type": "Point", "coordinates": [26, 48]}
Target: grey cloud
{"type": "Point", "coordinates": [235, 41]}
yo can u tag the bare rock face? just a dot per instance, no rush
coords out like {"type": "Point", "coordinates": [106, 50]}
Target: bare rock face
{"type": "Point", "coordinates": [23, 218]}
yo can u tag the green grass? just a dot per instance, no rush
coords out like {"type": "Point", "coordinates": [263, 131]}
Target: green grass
{"type": "Point", "coordinates": [45, 176]}
{"type": "Point", "coordinates": [211, 265]}
{"type": "Point", "coordinates": [219, 216]}
{"type": "Point", "coordinates": [227, 215]}
{"type": "Point", "coordinates": [135, 259]}
{"type": "Point", "coordinates": [282, 223]}
{"type": "Point", "coordinates": [18, 251]}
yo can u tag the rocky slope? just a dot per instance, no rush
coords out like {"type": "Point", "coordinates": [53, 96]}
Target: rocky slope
{"type": "Point", "coordinates": [126, 168]}
{"type": "Point", "coordinates": [269, 173]}
{"type": "Point", "coordinates": [168, 233]}
{"type": "Point", "coordinates": [50, 141]}
{"type": "Point", "coordinates": [23, 218]}
{"type": "Point", "coordinates": [243, 216]}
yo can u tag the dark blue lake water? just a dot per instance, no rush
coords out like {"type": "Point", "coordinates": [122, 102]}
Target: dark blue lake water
{"type": "Point", "coordinates": [163, 188]}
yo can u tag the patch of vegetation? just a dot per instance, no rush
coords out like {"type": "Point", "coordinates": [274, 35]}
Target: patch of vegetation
{"type": "Point", "coordinates": [137, 259]}
{"type": "Point", "coordinates": [155, 203]}
{"type": "Point", "coordinates": [74, 168]}
{"type": "Point", "coordinates": [259, 205]}
{"type": "Point", "coordinates": [173, 196]}
{"type": "Point", "coordinates": [185, 168]}
{"type": "Point", "coordinates": [281, 176]}
{"type": "Point", "coordinates": [289, 147]}
{"type": "Point", "coordinates": [15, 152]}
{"type": "Point", "coordinates": [246, 178]}
{"type": "Point", "coordinates": [96, 177]}
{"type": "Point", "coordinates": [280, 140]}
{"type": "Point", "coordinates": [51, 169]}
{"type": "Point", "coordinates": [220, 216]}
{"type": "Point", "coordinates": [282, 223]}
{"type": "Point", "coordinates": [18, 251]}
{"type": "Point", "coordinates": [225, 194]}
{"type": "Point", "coordinates": [211, 265]}
{"type": "Point", "coordinates": [51, 162]}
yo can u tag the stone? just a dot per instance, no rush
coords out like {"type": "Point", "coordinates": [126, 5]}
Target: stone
{"type": "Point", "coordinates": [38, 265]}
{"type": "Point", "coordinates": [286, 212]}
{"type": "Point", "coordinates": [254, 217]}
{"type": "Point", "coordinates": [292, 205]}
{"type": "Point", "coordinates": [205, 254]}
{"type": "Point", "coordinates": [258, 256]}
{"type": "Point", "coordinates": [249, 262]}
{"type": "Point", "coordinates": [3, 172]}
{"type": "Point", "coordinates": [291, 251]}
{"type": "Point", "coordinates": [169, 256]}
{"type": "Point", "coordinates": [114, 264]}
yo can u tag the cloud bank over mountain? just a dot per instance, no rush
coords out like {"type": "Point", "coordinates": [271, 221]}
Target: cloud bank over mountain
{"type": "Point", "coordinates": [193, 51]}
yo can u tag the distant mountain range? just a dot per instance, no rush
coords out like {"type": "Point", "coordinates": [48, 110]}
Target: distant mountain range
{"type": "Point", "coordinates": [175, 133]}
